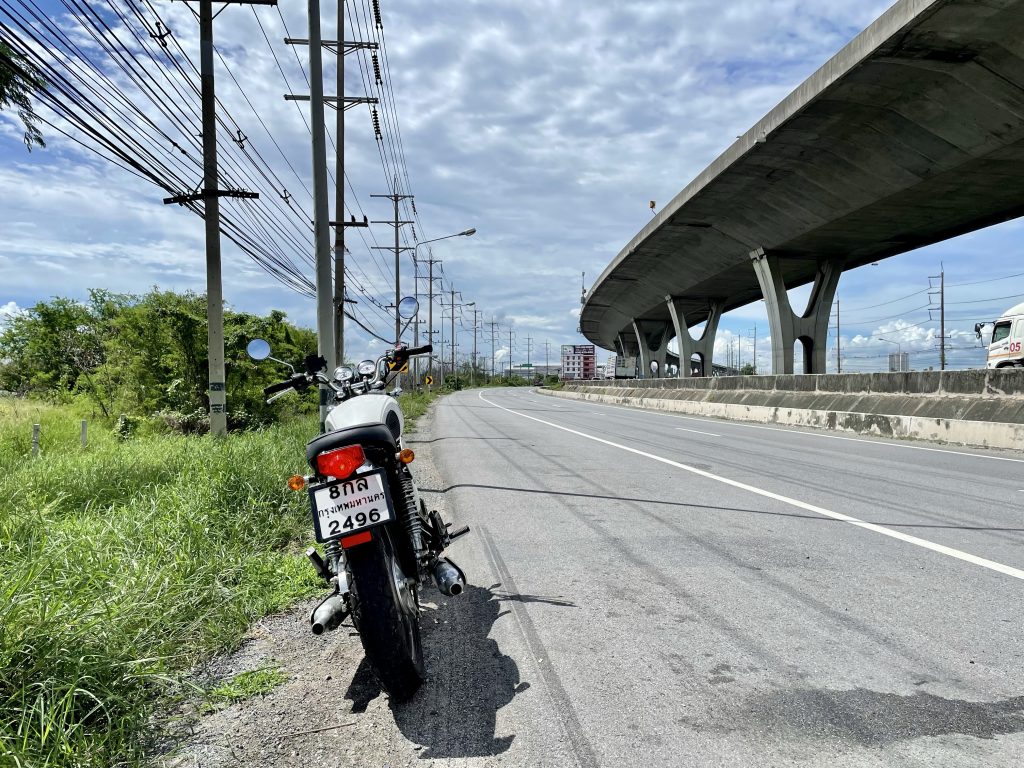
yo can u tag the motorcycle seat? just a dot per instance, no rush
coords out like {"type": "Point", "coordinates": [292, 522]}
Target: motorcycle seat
{"type": "Point", "coordinates": [376, 435]}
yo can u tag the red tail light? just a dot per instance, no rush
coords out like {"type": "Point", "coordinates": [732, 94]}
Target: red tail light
{"type": "Point", "coordinates": [341, 462]}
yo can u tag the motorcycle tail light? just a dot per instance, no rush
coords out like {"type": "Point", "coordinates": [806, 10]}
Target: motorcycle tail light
{"type": "Point", "coordinates": [341, 462]}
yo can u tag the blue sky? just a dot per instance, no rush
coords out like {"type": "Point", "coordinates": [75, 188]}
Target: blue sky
{"type": "Point", "coordinates": [546, 125]}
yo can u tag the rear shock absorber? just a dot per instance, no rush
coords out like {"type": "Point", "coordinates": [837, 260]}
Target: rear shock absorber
{"type": "Point", "coordinates": [410, 517]}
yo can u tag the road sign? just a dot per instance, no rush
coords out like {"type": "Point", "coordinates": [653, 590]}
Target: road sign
{"type": "Point", "coordinates": [428, 380]}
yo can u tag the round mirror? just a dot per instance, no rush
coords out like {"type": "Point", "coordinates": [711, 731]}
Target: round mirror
{"type": "Point", "coordinates": [367, 368]}
{"type": "Point", "coordinates": [343, 373]}
{"type": "Point", "coordinates": [258, 349]}
{"type": "Point", "coordinates": [408, 307]}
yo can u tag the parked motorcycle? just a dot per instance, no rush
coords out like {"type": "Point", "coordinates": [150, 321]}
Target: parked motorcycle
{"type": "Point", "coordinates": [380, 544]}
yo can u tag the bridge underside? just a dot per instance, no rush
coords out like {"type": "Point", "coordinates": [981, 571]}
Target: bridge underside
{"type": "Point", "coordinates": [912, 134]}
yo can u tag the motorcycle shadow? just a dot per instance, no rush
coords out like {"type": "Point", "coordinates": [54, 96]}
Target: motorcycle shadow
{"type": "Point", "coordinates": [468, 678]}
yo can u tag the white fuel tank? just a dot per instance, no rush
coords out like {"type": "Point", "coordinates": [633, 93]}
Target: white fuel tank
{"type": "Point", "coordinates": [371, 408]}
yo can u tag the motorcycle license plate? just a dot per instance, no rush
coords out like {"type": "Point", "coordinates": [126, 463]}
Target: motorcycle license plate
{"type": "Point", "coordinates": [344, 507]}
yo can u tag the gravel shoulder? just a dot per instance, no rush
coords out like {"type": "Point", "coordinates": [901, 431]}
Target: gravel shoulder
{"type": "Point", "coordinates": [331, 712]}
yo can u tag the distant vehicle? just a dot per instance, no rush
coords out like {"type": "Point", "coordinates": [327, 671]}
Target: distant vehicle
{"type": "Point", "coordinates": [1006, 350]}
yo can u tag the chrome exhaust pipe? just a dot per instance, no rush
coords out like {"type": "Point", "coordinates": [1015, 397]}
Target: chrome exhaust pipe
{"type": "Point", "coordinates": [328, 615]}
{"type": "Point", "coordinates": [450, 579]}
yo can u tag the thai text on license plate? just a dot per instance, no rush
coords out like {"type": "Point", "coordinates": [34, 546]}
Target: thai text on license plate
{"type": "Point", "coordinates": [344, 507]}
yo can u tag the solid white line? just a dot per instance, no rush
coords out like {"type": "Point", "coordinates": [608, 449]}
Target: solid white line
{"type": "Point", "coordinates": [940, 548]}
{"type": "Point", "coordinates": [684, 429]}
{"type": "Point", "coordinates": [794, 431]}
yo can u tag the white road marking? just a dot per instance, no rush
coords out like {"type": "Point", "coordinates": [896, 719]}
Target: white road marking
{"type": "Point", "coordinates": [794, 431]}
{"type": "Point", "coordinates": [684, 429]}
{"type": "Point", "coordinates": [919, 542]}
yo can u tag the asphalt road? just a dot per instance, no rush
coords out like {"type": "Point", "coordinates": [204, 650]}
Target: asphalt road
{"type": "Point", "coordinates": [657, 590]}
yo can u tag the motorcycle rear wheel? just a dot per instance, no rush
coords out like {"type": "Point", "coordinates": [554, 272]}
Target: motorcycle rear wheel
{"type": "Point", "coordinates": [385, 609]}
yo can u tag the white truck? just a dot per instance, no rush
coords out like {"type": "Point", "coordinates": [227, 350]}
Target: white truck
{"type": "Point", "coordinates": [1006, 350]}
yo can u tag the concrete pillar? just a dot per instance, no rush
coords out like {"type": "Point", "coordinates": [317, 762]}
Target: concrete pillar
{"type": "Point", "coordinates": [810, 328]}
{"type": "Point", "coordinates": [704, 347]}
{"type": "Point", "coordinates": [652, 342]}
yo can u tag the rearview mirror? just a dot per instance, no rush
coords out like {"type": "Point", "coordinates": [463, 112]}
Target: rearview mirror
{"type": "Point", "coordinates": [258, 349]}
{"type": "Point", "coordinates": [408, 307]}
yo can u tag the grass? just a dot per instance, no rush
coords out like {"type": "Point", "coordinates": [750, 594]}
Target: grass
{"type": "Point", "coordinates": [415, 404]}
{"type": "Point", "coordinates": [257, 682]}
{"type": "Point", "coordinates": [122, 565]}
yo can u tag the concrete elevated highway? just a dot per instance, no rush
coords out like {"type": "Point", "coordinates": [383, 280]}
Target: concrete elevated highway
{"type": "Point", "coordinates": [913, 133]}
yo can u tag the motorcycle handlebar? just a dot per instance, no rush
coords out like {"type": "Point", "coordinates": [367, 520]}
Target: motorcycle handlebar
{"type": "Point", "coordinates": [420, 350]}
{"type": "Point", "coordinates": [279, 387]}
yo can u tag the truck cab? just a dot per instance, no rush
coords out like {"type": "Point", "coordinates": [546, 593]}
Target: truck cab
{"type": "Point", "coordinates": [1006, 349]}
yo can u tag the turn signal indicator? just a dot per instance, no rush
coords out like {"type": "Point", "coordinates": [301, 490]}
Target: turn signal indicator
{"type": "Point", "coordinates": [296, 482]}
{"type": "Point", "coordinates": [406, 456]}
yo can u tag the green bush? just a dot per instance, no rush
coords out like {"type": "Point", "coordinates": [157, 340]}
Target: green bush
{"type": "Point", "coordinates": [123, 564]}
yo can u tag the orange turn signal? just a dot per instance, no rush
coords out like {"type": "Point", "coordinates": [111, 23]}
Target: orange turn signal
{"type": "Point", "coordinates": [406, 456]}
{"type": "Point", "coordinates": [296, 482]}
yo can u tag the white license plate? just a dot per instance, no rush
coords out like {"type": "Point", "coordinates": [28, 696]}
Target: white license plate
{"type": "Point", "coordinates": [344, 507]}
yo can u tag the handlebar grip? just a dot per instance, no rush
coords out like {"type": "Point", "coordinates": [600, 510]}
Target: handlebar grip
{"type": "Point", "coordinates": [279, 387]}
{"type": "Point", "coordinates": [420, 350]}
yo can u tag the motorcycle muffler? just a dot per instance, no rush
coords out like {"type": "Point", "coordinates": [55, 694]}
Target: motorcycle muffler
{"type": "Point", "coordinates": [328, 615]}
{"type": "Point", "coordinates": [449, 577]}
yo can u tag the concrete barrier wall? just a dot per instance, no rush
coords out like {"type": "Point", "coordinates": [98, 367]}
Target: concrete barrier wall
{"type": "Point", "coordinates": [980, 408]}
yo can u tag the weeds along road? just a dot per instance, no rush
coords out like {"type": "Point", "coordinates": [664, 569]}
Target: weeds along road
{"type": "Point", "coordinates": [653, 590]}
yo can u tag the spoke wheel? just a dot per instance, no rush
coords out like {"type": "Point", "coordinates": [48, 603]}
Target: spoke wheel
{"type": "Point", "coordinates": [386, 613]}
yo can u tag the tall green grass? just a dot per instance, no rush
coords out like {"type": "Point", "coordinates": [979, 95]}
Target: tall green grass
{"type": "Point", "coordinates": [122, 565]}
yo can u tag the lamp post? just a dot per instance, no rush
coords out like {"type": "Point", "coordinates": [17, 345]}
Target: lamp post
{"type": "Point", "coordinates": [430, 287]}
{"type": "Point", "coordinates": [899, 350]}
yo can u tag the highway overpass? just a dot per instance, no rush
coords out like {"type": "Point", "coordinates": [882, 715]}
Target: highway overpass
{"type": "Point", "coordinates": [913, 133]}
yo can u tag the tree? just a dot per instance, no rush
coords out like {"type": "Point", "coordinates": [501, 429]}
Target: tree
{"type": "Point", "coordinates": [748, 370]}
{"type": "Point", "coordinates": [18, 79]}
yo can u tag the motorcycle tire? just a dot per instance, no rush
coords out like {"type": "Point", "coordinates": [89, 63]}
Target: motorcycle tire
{"type": "Point", "coordinates": [386, 615]}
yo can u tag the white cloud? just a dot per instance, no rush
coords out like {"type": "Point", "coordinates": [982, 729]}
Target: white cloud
{"type": "Point", "coordinates": [546, 125]}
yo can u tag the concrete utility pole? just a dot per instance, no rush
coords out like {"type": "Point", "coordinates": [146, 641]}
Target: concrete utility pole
{"type": "Point", "coordinates": [494, 327]}
{"type": "Point", "coordinates": [397, 223]}
{"type": "Point", "coordinates": [430, 313]}
{"type": "Point", "coordinates": [210, 196]}
{"type": "Point", "coordinates": [454, 371]}
{"type": "Point", "coordinates": [321, 213]}
{"type": "Point", "coordinates": [472, 370]}
{"type": "Point", "coordinates": [547, 347]}
{"type": "Point", "coordinates": [510, 353]}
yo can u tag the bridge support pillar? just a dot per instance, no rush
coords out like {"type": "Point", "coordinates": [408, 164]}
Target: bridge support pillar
{"type": "Point", "coordinates": [810, 328]}
{"type": "Point", "coordinates": [704, 347]}
{"type": "Point", "coordinates": [652, 341]}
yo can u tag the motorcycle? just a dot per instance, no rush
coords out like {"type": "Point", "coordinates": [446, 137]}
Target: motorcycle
{"type": "Point", "coordinates": [380, 544]}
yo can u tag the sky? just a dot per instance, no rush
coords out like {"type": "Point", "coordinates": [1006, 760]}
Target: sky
{"type": "Point", "coordinates": [547, 125]}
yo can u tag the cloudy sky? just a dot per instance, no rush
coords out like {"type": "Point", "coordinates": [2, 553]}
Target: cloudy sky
{"type": "Point", "coordinates": [546, 125]}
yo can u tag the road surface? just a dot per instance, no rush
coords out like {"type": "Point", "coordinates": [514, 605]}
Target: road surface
{"type": "Point", "coordinates": [666, 590]}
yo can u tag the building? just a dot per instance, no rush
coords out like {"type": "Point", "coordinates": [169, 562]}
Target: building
{"type": "Point", "coordinates": [578, 361]}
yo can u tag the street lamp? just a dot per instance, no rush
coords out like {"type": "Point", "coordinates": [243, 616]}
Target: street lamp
{"type": "Point", "coordinates": [899, 350]}
{"type": "Point", "coordinates": [430, 287]}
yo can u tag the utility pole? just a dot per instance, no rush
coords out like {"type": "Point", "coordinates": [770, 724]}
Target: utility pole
{"type": "Point", "coordinates": [941, 277]}
{"type": "Point", "coordinates": [839, 336]}
{"type": "Point", "coordinates": [330, 288]}
{"type": "Point", "coordinates": [454, 370]}
{"type": "Point", "coordinates": [510, 353]}
{"type": "Point", "coordinates": [430, 312]}
{"type": "Point", "coordinates": [547, 366]}
{"type": "Point", "coordinates": [529, 349]}
{"type": "Point", "coordinates": [753, 337]}
{"type": "Point", "coordinates": [472, 370]}
{"type": "Point", "coordinates": [210, 196]}
{"type": "Point", "coordinates": [494, 327]}
{"type": "Point", "coordinates": [397, 224]}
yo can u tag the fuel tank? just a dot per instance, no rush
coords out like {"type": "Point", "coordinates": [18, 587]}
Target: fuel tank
{"type": "Point", "coordinates": [371, 408]}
